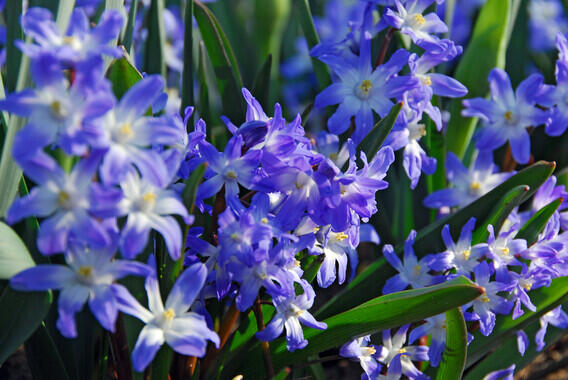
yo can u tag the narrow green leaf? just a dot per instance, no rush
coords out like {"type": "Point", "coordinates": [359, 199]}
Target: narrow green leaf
{"type": "Point", "coordinates": [375, 139]}
{"type": "Point", "coordinates": [312, 268]}
{"type": "Point", "coordinates": [369, 283]}
{"type": "Point", "coordinates": [14, 255]}
{"type": "Point", "coordinates": [154, 59]}
{"type": "Point", "coordinates": [64, 11]}
{"type": "Point", "coordinates": [500, 213]}
{"type": "Point", "coordinates": [545, 299]}
{"type": "Point", "coordinates": [223, 61]}
{"type": "Point", "coordinates": [534, 226]}
{"type": "Point", "coordinates": [518, 49]}
{"type": "Point", "coordinates": [122, 75]}
{"type": "Point", "coordinates": [283, 374]}
{"type": "Point", "coordinates": [43, 356]}
{"type": "Point", "coordinates": [191, 184]}
{"type": "Point", "coordinates": [453, 360]}
{"type": "Point", "coordinates": [129, 31]}
{"type": "Point", "coordinates": [306, 21]}
{"type": "Point", "coordinates": [13, 54]}
{"type": "Point", "coordinates": [204, 106]}
{"type": "Point", "coordinates": [187, 98]}
{"type": "Point", "coordinates": [20, 314]}
{"type": "Point", "coordinates": [261, 87]}
{"type": "Point", "coordinates": [509, 354]}
{"type": "Point", "coordinates": [378, 314]}
{"type": "Point", "coordinates": [161, 364]}
{"type": "Point", "coordinates": [486, 50]}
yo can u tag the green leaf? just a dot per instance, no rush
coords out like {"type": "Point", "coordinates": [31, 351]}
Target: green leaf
{"type": "Point", "coordinates": [307, 22]}
{"type": "Point", "coordinates": [453, 360]}
{"type": "Point", "coordinates": [545, 299]}
{"type": "Point", "coordinates": [500, 213]}
{"type": "Point", "coordinates": [154, 59]}
{"type": "Point", "coordinates": [379, 314]}
{"type": "Point", "coordinates": [261, 87]}
{"type": "Point", "coordinates": [486, 50]}
{"type": "Point", "coordinates": [14, 255]}
{"type": "Point", "coordinates": [190, 188]}
{"type": "Point", "coordinates": [13, 54]}
{"type": "Point", "coordinates": [369, 283]}
{"type": "Point", "coordinates": [20, 315]}
{"type": "Point", "coordinates": [43, 356]}
{"type": "Point", "coordinates": [518, 49]}
{"type": "Point", "coordinates": [122, 75]}
{"type": "Point", "coordinates": [534, 226]}
{"type": "Point", "coordinates": [375, 139]}
{"type": "Point", "coordinates": [129, 31]}
{"type": "Point", "coordinates": [187, 98]}
{"type": "Point", "coordinates": [223, 61]}
{"type": "Point", "coordinates": [509, 354]}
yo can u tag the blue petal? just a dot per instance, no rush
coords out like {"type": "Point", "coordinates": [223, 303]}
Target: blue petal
{"type": "Point", "coordinates": [43, 277]}
{"type": "Point", "coordinates": [149, 342]}
{"type": "Point", "coordinates": [103, 305]}
{"type": "Point", "coordinates": [186, 288]}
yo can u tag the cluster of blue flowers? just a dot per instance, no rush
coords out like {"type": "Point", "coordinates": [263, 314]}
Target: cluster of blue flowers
{"type": "Point", "coordinates": [275, 195]}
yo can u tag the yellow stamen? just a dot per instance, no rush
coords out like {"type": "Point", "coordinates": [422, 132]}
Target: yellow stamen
{"type": "Point", "coordinates": [231, 175]}
{"type": "Point", "coordinates": [527, 286]}
{"type": "Point", "coordinates": [169, 314]}
{"type": "Point", "coordinates": [509, 115]}
{"type": "Point", "coordinates": [264, 220]}
{"type": "Point", "coordinates": [466, 254]}
{"type": "Point", "coordinates": [366, 86]}
{"type": "Point", "coordinates": [149, 197]}
{"type": "Point", "coordinates": [402, 351]}
{"type": "Point", "coordinates": [475, 185]}
{"type": "Point", "coordinates": [426, 81]}
{"type": "Point", "coordinates": [484, 298]}
{"type": "Point", "coordinates": [505, 251]}
{"type": "Point", "coordinates": [416, 269]}
{"type": "Point", "coordinates": [341, 236]}
{"type": "Point", "coordinates": [419, 20]}
{"type": "Point", "coordinates": [85, 271]}
{"type": "Point", "coordinates": [57, 109]}
{"type": "Point", "coordinates": [126, 130]}
{"type": "Point", "coordinates": [62, 198]}
{"type": "Point", "coordinates": [316, 229]}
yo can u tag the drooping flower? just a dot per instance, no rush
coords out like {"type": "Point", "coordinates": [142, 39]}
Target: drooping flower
{"type": "Point", "coordinates": [361, 349]}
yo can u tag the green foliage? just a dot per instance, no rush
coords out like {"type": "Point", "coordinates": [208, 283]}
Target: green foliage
{"type": "Point", "coordinates": [453, 360]}
{"type": "Point", "coordinates": [485, 51]}
{"type": "Point", "coordinates": [378, 314]}
{"type": "Point", "coordinates": [375, 139]}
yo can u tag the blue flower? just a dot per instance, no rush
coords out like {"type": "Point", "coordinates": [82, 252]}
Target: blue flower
{"type": "Point", "coordinates": [185, 331]}
{"type": "Point", "coordinates": [79, 43]}
{"type": "Point", "coordinates": [469, 184]}
{"type": "Point", "coordinates": [409, 19]}
{"type": "Point", "coordinates": [290, 312]}
{"type": "Point", "coordinates": [365, 353]}
{"type": "Point", "coordinates": [64, 199]}
{"type": "Point", "coordinates": [360, 89]}
{"type": "Point", "coordinates": [89, 275]}
{"type": "Point", "coordinates": [412, 272]}
{"type": "Point", "coordinates": [507, 115]}
{"type": "Point", "coordinates": [393, 350]}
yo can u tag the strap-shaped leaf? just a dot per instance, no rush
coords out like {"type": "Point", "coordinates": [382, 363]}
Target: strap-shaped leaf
{"type": "Point", "coordinates": [261, 87]}
{"type": "Point", "coordinates": [122, 75]}
{"type": "Point", "coordinates": [369, 283]}
{"type": "Point", "coordinates": [545, 299]}
{"type": "Point", "coordinates": [509, 354]}
{"type": "Point", "coordinates": [453, 360]}
{"type": "Point", "coordinates": [485, 51]}
{"type": "Point", "coordinates": [187, 98]}
{"type": "Point", "coordinates": [511, 200]}
{"type": "Point", "coordinates": [223, 61]}
{"type": "Point", "coordinates": [20, 314]}
{"type": "Point", "coordinates": [154, 57]}
{"type": "Point", "coordinates": [375, 139]}
{"type": "Point", "coordinates": [537, 222]}
{"type": "Point", "coordinates": [43, 356]}
{"type": "Point", "coordinates": [14, 255]}
{"type": "Point", "coordinates": [378, 314]}
{"type": "Point", "coordinates": [306, 20]}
